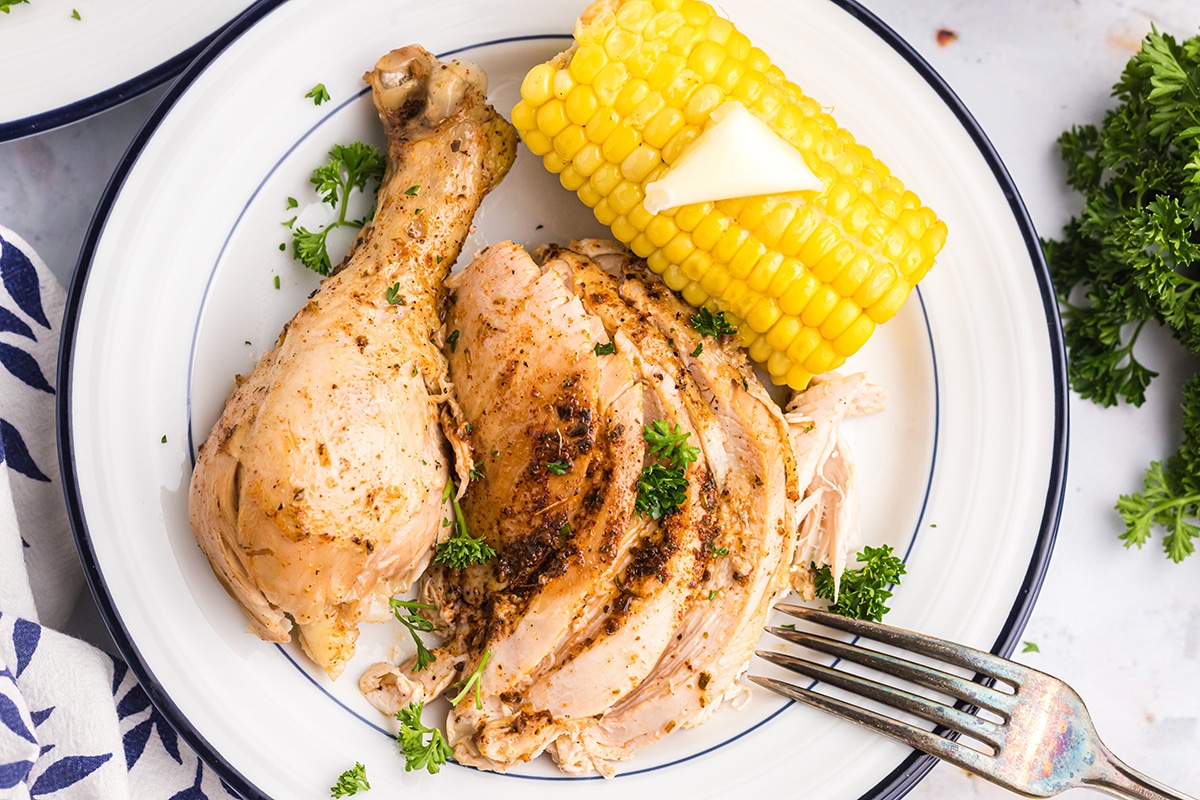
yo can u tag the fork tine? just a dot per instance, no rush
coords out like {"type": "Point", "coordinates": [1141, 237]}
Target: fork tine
{"type": "Point", "coordinates": [910, 735]}
{"type": "Point", "coordinates": [960, 655]}
{"type": "Point", "coordinates": [920, 674]}
{"type": "Point", "coordinates": [935, 712]}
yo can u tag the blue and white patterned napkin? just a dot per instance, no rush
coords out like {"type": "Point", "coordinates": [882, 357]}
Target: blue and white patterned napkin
{"type": "Point", "coordinates": [74, 722]}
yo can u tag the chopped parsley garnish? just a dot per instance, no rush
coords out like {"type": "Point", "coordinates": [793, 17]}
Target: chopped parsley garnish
{"type": "Point", "coordinates": [476, 471]}
{"type": "Point", "coordinates": [318, 94]}
{"type": "Point", "coordinates": [558, 467]}
{"type": "Point", "coordinates": [393, 294]}
{"type": "Point", "coordinates": [472, 682]}
{"type": "Point", "coordinates": [412, 190]}
{"type": "Point", "coordinates": [415, 622]}
{"type": "Point", "coordinates": [719, 551]}
{"type": "Point", "coordinates": [662, 487]}
{"type": "Point", "coordinates": [5, 5]}
{"type": "Point", "coordinates": [420, 752]}
{"type": "Point", "coordinates": [351, 167]}
{"type": "Point", "coordinates": [461, 549]}
{"type": "Point", "coordinates": [452, 340]}
{"type": "Point", "coordinates": [605, 348]}
{"type": "Point", "coordinates": [699, 349]}
{"type": "Point", "coordinates": [75, 14]}
{"type": "Point", "coordinates": [352, 781]}
{"type": "Point", "coordinates": [1030, 647]}
{"type": "Point", "coordinates": [710, 324]}
{"type": "Point", "coordinates": [863, 592]}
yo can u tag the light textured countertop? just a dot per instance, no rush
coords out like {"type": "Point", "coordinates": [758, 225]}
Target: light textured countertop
{"type": "Point", "coordinates": [1121, 626]}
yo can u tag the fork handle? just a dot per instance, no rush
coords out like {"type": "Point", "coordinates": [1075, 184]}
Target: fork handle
{"type": "Point", "coordinates": [1120, 780]}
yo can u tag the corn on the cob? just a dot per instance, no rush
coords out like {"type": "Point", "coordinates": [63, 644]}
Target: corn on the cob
{"type": "Point", "coordinates": [805, 276]}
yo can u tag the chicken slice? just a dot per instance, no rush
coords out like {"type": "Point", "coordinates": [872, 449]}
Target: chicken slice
{"type": "Point", "coordinates": [318, 493]}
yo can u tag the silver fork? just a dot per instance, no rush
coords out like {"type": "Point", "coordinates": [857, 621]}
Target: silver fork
{"type": "Point", "coordinates": [1044, 742]}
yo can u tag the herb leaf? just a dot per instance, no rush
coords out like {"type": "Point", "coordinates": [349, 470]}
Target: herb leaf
{"type": "Point", "coordinates": [415, 622]}
{"type": "Point", "coordinates": [420, 752]}
{"type": "Point", "coordinates": [710, 324]}
{"type": "Point", "coordinates": [472, 682]}
{"type": "Point", "coordinates": [350, 168]}
{"type": "Point", "coordinates": [318, 94]}
{"type": "Point", "coordinates": [605, 348]}
{"type": "Point", "coordinates": [669, 443]}
{"type": "Point", "coordinates": [351, 782]}
{"type": "Point", "coordinates": [1131, 257]}
{"type": "Point", "coordinates": [461, 549]}
{"type": "Point", "coordinates": [863, 592]}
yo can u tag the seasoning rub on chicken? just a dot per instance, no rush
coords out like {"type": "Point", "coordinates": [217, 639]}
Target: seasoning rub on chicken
{"type": "Point", "coordinates": [607, 619]}
{"type": "Point", "coordinates": [319, 493]}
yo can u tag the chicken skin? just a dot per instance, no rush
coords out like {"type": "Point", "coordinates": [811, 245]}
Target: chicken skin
{"type": "Point", "coordinates": [599, 628]}
{"type": "Point", "coordinates": [319, 492]}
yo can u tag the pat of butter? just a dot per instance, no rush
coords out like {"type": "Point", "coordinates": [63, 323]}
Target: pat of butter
{"type": "Point", "coordinates": [737, 155]}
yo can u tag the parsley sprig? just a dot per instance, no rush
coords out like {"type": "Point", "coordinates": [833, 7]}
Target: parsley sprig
{"type": "Point", "coordinates": [461, 548]}
{"type": "Point", "coordinates": [422, 747]}
{"type": "Point", "coordinates": [473, 682]}
{"type": "Point", "coordinates": [863, 593]}
{"type": "Point", "coordinates": [406, 612]}
{"type": "Point", "coordinates": [662, 487]}
{"type": "Point", "coordinates": [350, 782]}
{"type": "Point", "coordinates": [5, 5]}
{"type": "Point", "coordinates": [1131, 258]}
{"type": "Point", "coordinates": [350, 168]}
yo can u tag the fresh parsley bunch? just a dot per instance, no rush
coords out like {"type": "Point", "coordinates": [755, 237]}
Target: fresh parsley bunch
{"type": "Point", "coordinates": [863, 592]}
{"type": "Point", "coordinates": [351, 167]}
{"type": "Point", "coordinates": [1132, 256]}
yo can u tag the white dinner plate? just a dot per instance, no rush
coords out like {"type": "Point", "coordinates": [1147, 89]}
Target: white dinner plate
{"type": "Point", "coordinates": [63, 60]}
{"type": "Point", "coordinates": [183, 284]}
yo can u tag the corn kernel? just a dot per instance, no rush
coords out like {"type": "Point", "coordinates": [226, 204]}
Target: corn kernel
{"type": "Point", "coordinates": [609, 81]}
{"type": "Point", "coordinates": [799, 294]}
{"type": "Point", "coordinates": [641, 246]}
{"type": "Point", "coordinates": [778, 366]}
{"type": "Point", "coordinates": [783, 332]}
{"type": "Point", "coordinates": [679, 143]}
{"type": "Point", "coordinates": [568, 143]}
{"type": "Point", "coordinates": [604, 212]}
{"type": "Point", "coordinates": [788, 273]}
{"type": "Point", "coordinates": [588, 159]}
{"type": "Point", "coordinates": [890, 303]}
{"type": "Point", "coordinates": [639, 218]}
{"type": "Point", "coordinates": [730, 241]}
{"type": "Point", "coordinates": [818, 308]}
{"type": "Point", "coordinates": [552, 118]}
{"type": "Point", "coordinates": [823, 359]}
{"type": "Point", "coordinates": [625, 196]}
{"type": "Point", "coordinates": [855, 336]}
{"type": "Point", "coordinates": [679, 248]}
{"type": "Point", "coordinates": [716, 281]}
{"type": "Point", "coordinates": [562, 84]}
{"type": "Point", "coordinates": [876, 285]}
{"type": "Point", "coordinates": [620, 44]}
{"type": "Point", "coordinates": [623, 230]}
{"type": "Point", "coordinates": [581, 104]}
{"type": "Point", "coordinates": [706, 234]}
{"type": "Point", "coordinates": [662, 126]}
{"type": "Point", "coordinates": [587, 62]}
{"type": "Point", "coordinates": [764, 271]}
{"type": "Point", "coordinates": [535, 88]}
{"type": "Point", "coordinates": [833, 263]}
{"type": "Point", "coordinates": [839, 319]}
{"type": "Point", "coordinates": [701, 104]}
{"type": "Point", "coordinates": [524, 116]}
{"type": "Point", "coordinates": [538, 143]}
{"type": "Point", "coordinates": [746, 257]}
{"type": "Point", "coordinates": [634, 92]}
{"type": "Point", "coordinates": [674, 278]}
{"type": "Point", "coordinates": [694, 295]}
{"type": "Point", "coordinates": [689, 216]}
{"type": "Point", "coordinates": [696, 265]}
{"type": "Point", "coordinates": [601, 125]}
{"type": "Point", "coordinates": [798, 377]}
{"type": "Point", "coordinates": [638, 164]}
{"type": "Point", "coordinates": [852, 277]}
{"type": "Point", "coordinates": [588, 195]}
{"type": "Point", "coordinates": [661, 230]}
{"type": "Point", "coordinates": [633, 15]}
{"type": "Point", "coordinates": [570, 179]}
{"type": "Point", "coordinates": [764, 314]}
{"type": "Point", "coordinates": [621, 143]}
{"type": "Point", "coordinates": [606, 178]}
{"type": "Point", "coordinates": [553, 163]}
{"type": "Point", "coordinates": [802, 346]}
{"type": "Point", "coordinates": [760, 351]}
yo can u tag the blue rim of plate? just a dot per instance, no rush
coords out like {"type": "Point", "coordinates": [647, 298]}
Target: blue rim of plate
{"type": "Point", "coordinates": [104, 100]}
{"type": "Point", "coordinates": [905, 775]}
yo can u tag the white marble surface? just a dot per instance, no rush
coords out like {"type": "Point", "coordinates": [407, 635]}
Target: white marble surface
{"type": "Point", "coordinates": [1123, 627]}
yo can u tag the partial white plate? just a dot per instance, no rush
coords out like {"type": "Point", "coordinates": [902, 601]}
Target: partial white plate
{"type": "Point", "coordinates": [58, 69]}
{"type": "Point", "coordinates": [176, 293]}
